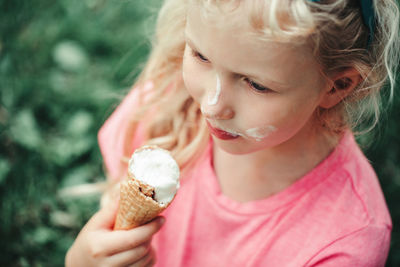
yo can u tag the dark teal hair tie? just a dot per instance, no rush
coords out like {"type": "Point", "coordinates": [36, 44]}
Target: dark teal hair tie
{"type": "Point", "coordinates": [368, 16]}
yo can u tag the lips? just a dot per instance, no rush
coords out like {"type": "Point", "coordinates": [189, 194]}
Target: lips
{"type": "Point", "coordinates": [220, 133]}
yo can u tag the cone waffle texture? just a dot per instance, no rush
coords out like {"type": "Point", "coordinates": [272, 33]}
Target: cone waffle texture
{"type": "Point", "coordinates": [135, 207]}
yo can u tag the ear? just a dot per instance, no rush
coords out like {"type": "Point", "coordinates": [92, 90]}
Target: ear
{"type": "Point", "coordinates": [343, 84]}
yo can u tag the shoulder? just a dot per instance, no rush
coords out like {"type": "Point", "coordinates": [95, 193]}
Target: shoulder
{"type": "Point", "coordinates": [356, 172]}
{"type": "Point", "coordinates": [112, 136]}
{"type": "Point", "coordinates": [366, 246]}
{"type": "Point", "coordinates": [354, 211]}
{"type": "Point", "coordinates": [349, 183]}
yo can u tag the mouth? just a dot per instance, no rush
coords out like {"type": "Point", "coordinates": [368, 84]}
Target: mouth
{"type": "Point", "coordinates": [221, 134]}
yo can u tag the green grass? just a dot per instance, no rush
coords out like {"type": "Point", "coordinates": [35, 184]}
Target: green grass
{"type": "Point", "coordinates": [64, 66]}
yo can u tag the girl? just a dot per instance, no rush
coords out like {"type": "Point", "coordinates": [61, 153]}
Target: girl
{"type": "Point", "coordinates": [258, 101]}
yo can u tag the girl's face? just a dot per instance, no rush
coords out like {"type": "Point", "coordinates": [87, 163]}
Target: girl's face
{"type": "Point", "coordinates": [254, 94]}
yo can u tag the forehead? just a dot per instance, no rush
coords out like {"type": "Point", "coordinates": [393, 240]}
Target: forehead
{"type": "Point", "coordinates": [269, 19]}
{"type": "Point", "coordinates": [228, 39]}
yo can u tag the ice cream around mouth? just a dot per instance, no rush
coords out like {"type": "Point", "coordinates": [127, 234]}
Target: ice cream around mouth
{"type": "Point", "coordinates": [158, 169]}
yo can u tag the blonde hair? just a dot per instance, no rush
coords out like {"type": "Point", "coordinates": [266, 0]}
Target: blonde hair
{"type": "Point", "coordinates": [333, 28]}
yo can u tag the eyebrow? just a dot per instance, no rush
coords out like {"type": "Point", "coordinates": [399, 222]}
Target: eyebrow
{"type": "Point", "coordinates": [190, 42]}
{"type": "Point", "coordinates": [263, 81]}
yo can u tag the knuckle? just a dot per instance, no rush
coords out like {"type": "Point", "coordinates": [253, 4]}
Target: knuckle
{"type": "Point", "coordinates": [133, 243]}
{"type": "Point", "coordinates": [147, 258]}
{"type": "Point", "coordinates": [150, 261]}
{"type": "Point", "coordinates": [142, 250]}
{"type": "Point", "coordinates": [95, 250]}
{"type": "Point", "coordinates": [144, 261]}
{"type": "Point", "coordinates": [153, 261]}
{"type": "Point", "coordinates": [151, 258]}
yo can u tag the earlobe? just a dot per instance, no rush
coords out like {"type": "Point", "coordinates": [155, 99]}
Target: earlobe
{"type": "Point", "coordinates": [343, 84]}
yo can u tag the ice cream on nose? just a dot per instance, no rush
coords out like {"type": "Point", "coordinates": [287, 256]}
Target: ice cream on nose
{"type": "Point", "coordinates": [213, 99]}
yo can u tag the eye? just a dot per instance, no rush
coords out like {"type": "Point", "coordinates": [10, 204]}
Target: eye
{"type": "Point", "coordinates": [257, 86]}
{"type": "Point", "coordinates": [199, 56]}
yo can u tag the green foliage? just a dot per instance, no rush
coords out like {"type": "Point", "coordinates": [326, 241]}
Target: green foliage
{"type": "Point", "coordinates": [64, 65]}
{"type": "Point", "coordinates": [384, 154]}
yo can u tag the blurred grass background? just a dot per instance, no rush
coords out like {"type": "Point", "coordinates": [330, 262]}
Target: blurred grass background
{"type": "Point", "coordinates": [64, 66]}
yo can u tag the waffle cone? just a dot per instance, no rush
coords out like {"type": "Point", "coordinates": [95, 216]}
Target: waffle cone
{"type": "Point", "coordinates": [135, 207]}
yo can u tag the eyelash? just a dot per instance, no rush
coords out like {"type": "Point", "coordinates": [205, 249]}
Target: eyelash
{"type": "Point", "coordinates": [199, 56]}
{"type": "Point", "coordinates": [255, 86]}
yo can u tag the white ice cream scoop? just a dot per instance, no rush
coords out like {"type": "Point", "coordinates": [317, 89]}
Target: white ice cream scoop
{"type": "Point", "coordinates": [157, 168]}
{"type": "Point", "coordinates": [151, 184]}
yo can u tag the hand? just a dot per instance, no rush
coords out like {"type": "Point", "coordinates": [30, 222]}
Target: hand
{"type": "Point", "coordinates": [98, 245]}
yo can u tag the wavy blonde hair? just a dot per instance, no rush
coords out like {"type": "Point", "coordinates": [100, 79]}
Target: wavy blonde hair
{"type": "Point", "coordinates": [333, 28]}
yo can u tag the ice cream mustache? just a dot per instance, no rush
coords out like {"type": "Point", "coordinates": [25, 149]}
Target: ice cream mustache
{"type": "Point", "coordinates": [256, 133]}
{"type": "Point", "coordinates": [153, 180]}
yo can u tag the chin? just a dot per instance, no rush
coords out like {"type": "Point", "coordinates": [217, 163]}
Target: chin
{"type": "Point", "coordinates": [237, 147]}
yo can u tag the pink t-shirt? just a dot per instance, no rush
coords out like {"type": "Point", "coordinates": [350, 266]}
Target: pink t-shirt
{"type": "Point", "coordinates": [335, 215]}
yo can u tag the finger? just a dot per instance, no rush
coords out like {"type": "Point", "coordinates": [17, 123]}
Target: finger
{"type": "Point", "coordinates": [147, 260]}
{"type": "Point", "coordinates": [105, 217]}
{"type": "Point", "coordinates": [129, 257]}
{"type": "Point", "coordinates": [153, 258]}
{"type": "Point", "coordinates": [121, 240]}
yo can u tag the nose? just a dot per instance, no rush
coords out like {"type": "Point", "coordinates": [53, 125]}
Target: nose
{"type": "Point", "coordinates": [216, 103]}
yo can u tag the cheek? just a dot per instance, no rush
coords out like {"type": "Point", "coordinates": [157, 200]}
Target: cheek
{"type": "Point", "coordinates": [295, 118]}
{"type": "Point", "coordinates": [275, 116]}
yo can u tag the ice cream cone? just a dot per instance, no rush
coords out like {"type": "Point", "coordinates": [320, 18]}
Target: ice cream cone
{"type": "Point", "coordinates": [138, 204]}
{"type": "Point", "coordinates": [135, 207]}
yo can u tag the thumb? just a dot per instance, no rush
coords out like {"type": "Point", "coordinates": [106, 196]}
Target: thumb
{"type": "Point", "coordinates": [105, 217]}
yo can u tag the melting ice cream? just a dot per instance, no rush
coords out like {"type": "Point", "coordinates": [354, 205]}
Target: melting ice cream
{"type": "Point", "coordinates": [158, 169]}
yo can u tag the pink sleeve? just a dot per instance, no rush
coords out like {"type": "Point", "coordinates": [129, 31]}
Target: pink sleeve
{"type": "Point", "coordinates": [367, 247]}
{"type": "Point", "coordinates": [112, 135]}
